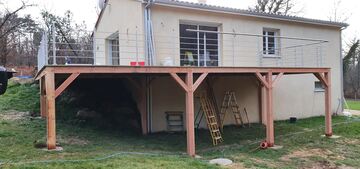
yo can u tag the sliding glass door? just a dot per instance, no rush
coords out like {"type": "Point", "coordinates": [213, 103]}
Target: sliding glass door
{"type": "Point", "coordinates": [197, 47]}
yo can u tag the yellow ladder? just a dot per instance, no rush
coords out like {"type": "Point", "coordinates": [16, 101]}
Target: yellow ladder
{"type": "Point", "coordinates": [211, 119]}
{"type": "Point", "coordinates": [230, 101]}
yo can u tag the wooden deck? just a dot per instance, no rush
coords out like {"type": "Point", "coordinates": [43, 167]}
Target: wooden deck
{"type": "Point", "coordinates": [267, 76]}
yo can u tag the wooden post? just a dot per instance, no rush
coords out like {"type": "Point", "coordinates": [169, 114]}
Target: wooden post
{"type": "Point", "coordinates": [269, 106]}
{"type": "Point", "coordinates": [189, 86]}
{"type": "Point", "coordinates": [50, 100]}
{"type": "Point", "coordinates": [42, 98]}
{"type": "Point", "coordinates": [328, 128]}
{"type": "Point", "coordinates": [262, 107]}
{"type": "Point", "coordinates": [190, 131]}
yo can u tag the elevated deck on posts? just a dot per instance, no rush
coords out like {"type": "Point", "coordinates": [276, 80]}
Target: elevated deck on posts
{"type": "Point", "coordinates": [267, 77]}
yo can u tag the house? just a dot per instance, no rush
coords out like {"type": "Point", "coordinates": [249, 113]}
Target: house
{"type": "Point", "coordinates": [278, 66]}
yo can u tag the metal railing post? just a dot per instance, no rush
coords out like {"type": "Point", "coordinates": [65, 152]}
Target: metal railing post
{"type": "Point", "coordinates": [233, 50]}
{"type": "Point", "coordinates": [54, 43]}
{"type": "Point", "coordinates": [136, 44]}
{"type": "Point", "coordinates": [205, 51]}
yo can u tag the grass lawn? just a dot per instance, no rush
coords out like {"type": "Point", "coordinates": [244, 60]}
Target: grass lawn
{"type": "Point", "coordinates": [91, 147]}
{"type": "Point", "coordinates": [354, 105]}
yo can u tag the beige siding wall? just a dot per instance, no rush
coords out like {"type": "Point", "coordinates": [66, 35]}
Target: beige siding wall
{"type": "Point", "coordinates": [293, 95]}
{"type": "Point", "coordinates": [168, 96]}
{"type": "Point", "coordinates": [126, 18]}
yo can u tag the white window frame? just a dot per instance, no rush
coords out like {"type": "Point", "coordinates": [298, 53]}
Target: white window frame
{"type": "Point", "coordinates": [276, 43]}
{"type": "Point", "coordinates": [110, 39]}
{"type": "Point", "coordinates": [198, 24]}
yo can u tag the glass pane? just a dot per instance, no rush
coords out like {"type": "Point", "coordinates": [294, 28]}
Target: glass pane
{"type": "Point", "coordinates": [271, 43]}
{"type": "Point", "coordinates": [115, 55]}
{"type": "Point", "coordinates": [211, 56]}
{"type": "Point", "coordinates": [188, 46]}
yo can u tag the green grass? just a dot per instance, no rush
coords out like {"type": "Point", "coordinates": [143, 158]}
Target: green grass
{"type": "Point", "coordinates": [91, 147]}
{"type": "Point", "coordinates": [21, 98]}
{"type": "Point", "coordinates": [354, 105]}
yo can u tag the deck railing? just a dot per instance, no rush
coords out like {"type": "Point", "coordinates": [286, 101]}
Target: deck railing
{"type": "Point", "coordinates": [195, 48]}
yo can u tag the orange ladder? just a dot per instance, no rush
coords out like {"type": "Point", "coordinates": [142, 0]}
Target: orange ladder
{"type": "Point", "coordinates": [211, 119]}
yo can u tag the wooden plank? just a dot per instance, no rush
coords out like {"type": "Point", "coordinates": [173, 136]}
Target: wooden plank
{"type": "Point", "coordinates": [262, 79]}
{"type": "Point", "coordinates": [190, 130]}
{"type": "Point", "coordinates": [180, 81]}
{"type": "Point", "coordinates": [66, 83]}
{"type": "Point", "coordinates": [50, 100]}
{"type": "Point", "coordinates": [328, 114]}
{"type": "Point", "coordinates": [43, 110]}
{"type": "Point", "coordinates": [262, 106]}
{"type": "Point", "coordinates": [269, 118]}
{"type": "Point", "coordinates": [322, 79]}
{"type": "Point", "coordinates": [165, 70]}
{"type": "Point", "coordinates": [199, 81]}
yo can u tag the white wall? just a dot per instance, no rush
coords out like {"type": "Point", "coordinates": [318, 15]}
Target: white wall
{"type": "Point", "coordinates": [293, 95]}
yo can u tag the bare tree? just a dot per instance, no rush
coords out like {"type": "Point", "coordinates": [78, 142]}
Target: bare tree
{"type": "Point", "coordinates": [352, 70]}
{"type": "Point", "coordinates": [338, 14]}
{"type": "Point", "coordinates": [274, 6]}
{"type": "Point", "coordinates": [12, 29]}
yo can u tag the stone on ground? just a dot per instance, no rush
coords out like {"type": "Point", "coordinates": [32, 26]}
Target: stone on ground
{"type": "Point", "coordinates": [221, 161]}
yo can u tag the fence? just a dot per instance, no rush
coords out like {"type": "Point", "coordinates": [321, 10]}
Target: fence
{"type": "Point", "coordinates": [189, 48]}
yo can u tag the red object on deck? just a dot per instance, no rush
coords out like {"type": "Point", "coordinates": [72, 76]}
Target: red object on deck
{"type": "Point", "coordinates": [133, 63]}
{"type": "Point", "coordinates": [141, 63]}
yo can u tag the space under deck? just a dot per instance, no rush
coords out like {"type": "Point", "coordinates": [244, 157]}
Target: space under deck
{"type": "Point", "coordinates": [55, 79]}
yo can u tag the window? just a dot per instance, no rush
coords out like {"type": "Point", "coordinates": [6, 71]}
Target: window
{"type": "Point", "coordinates": [270, 42]}
{"type": "Point", "coordinates": [195, 50]}
{"type": "Point", "coordinates": [114, 51]}
{"type": "Point", "coordinates": [319, 87]}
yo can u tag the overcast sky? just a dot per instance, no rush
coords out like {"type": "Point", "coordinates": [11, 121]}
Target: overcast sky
{"type": "Point", "coordinates": [86, 10]}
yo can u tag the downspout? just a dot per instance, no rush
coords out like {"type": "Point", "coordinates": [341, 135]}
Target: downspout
{"type": "Point", "coordinates": [149, 60]}
{"type": "Point", "coordinates": [149, 40]}
{"type": "Point", "coordinates": [342, 72]}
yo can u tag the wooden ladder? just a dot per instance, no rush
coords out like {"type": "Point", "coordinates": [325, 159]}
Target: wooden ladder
{"type": "Point", "coordinates": [211, 119]}
{"type": "Point", "coordinates": [230, 101]}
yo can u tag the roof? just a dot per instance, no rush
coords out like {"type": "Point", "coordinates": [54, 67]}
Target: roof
{"type": "Point", "coordinates": [220, 9]}
{"type": "Point", "coordinates": [101, 14]}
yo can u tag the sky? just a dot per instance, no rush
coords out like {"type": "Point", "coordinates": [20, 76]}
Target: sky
{"type": "Point", "coordinates": [87, 10]}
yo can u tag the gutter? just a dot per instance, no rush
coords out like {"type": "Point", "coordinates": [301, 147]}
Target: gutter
{"type": "Point", "coordinates": [234, 11]}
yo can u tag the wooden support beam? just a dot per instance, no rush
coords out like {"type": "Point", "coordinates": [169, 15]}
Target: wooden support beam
{"type": "Point", "coordinates": [328, 114]}
{"type": "Point", "coordinates": [262, 105]}
{"type": "Point", "coordinates": [66, 83]}
{"type": "Point", "coordinates": [43, 109]}
{"type": "Point", "coordinates": [269, 106]}
{"type": "Point", "coordinates": [322, 79]}
{"type": "Point", "coordinates": [199, 81]}
{"type": "Point", "coordinates": [50, 100]}
{"type": "Point", "coordinates": [190, 130]}
{"type": "Point", "coordinates": [180, 81]}
{"type": "Point", "coordinates": [262, 79]}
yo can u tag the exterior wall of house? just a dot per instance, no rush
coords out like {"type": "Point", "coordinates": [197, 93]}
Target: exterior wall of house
{"type": "Point", "coordinates": [169, 96]}
{"type": "Point", "coordinates": [294, 95]}
{"type": "Point", "coordinates": [125, 18]}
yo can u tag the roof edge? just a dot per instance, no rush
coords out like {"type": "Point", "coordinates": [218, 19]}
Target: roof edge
{"type": "Point", "coordinates": [235, 11]}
